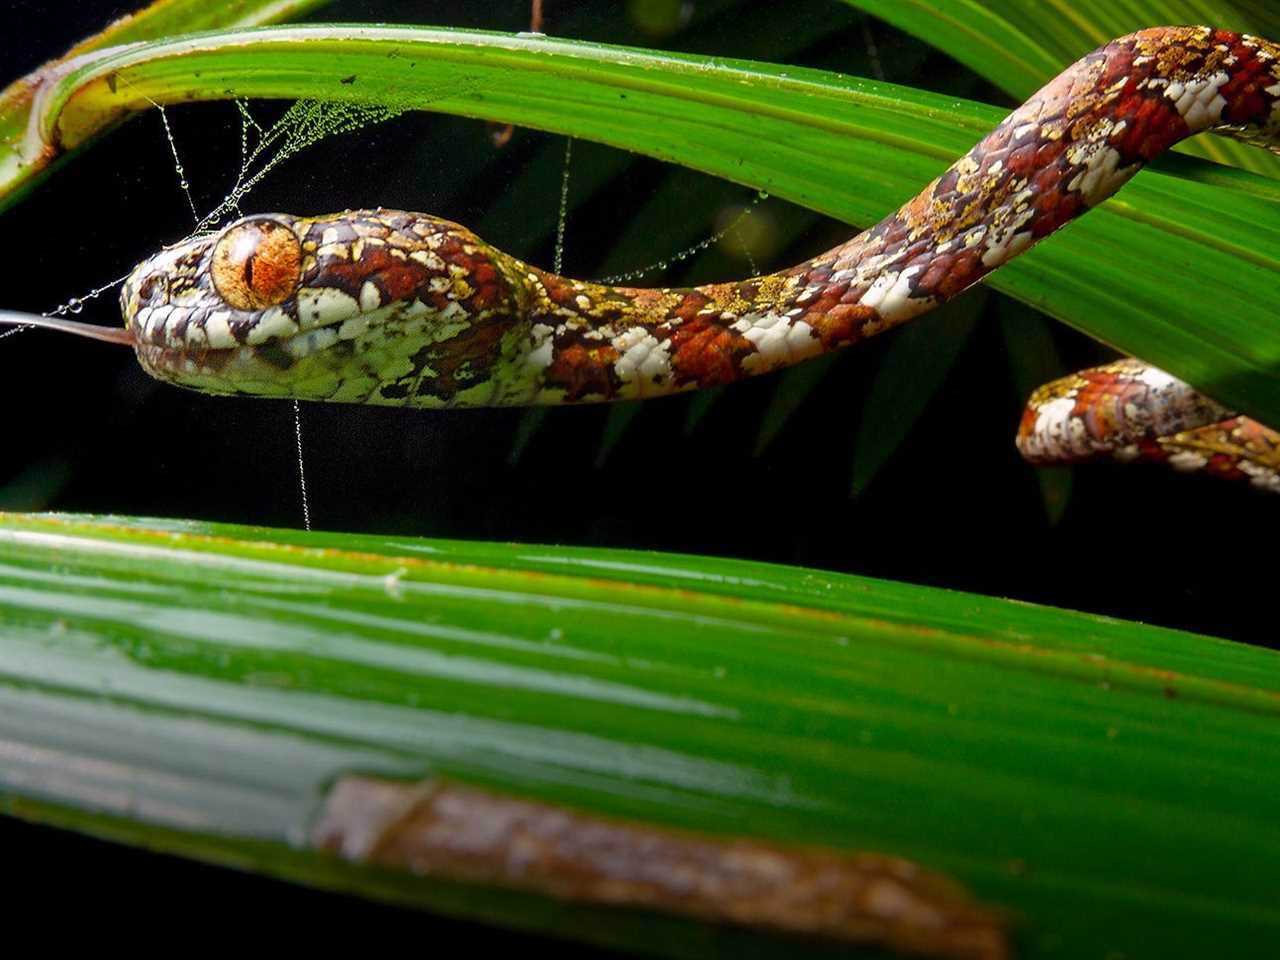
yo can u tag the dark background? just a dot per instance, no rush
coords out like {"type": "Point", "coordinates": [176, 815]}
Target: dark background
{"type": "Point", "coordinates": [953, 507]}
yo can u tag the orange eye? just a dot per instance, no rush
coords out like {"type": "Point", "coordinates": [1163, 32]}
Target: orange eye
{"type": "Point", "coordinates": [257, 264]}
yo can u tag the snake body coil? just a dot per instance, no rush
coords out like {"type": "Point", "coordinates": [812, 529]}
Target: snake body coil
{"type": "Point", "coordinates": [388, 307]}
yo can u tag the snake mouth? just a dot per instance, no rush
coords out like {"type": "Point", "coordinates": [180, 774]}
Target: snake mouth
{"type": "Point", "coordinates": [226, 370]}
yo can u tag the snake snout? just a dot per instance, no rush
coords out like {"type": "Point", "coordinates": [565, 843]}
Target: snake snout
{"type": "Point", "coordinates": [164, 290]}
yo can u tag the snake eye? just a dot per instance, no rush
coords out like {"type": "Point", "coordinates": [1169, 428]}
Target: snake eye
{"type": "Point", "coordinates": [256, 264]}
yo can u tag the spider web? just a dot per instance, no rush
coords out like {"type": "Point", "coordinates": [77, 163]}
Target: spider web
{"type": "Point", "coordinates": [306, 123]}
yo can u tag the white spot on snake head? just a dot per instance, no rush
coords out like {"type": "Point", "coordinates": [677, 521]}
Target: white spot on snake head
{"type": "Point", "coordinates": [218, 331]}
{"type": "Point", "coordinates": [323, 306]}
{"type": "Point", "coordinates": [370, 296]}
{"type": "Point", "coordinates": [274, 323]}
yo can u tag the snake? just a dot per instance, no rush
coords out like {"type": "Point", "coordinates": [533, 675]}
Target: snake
{"type": "Point", "coordinates": [391, 307]}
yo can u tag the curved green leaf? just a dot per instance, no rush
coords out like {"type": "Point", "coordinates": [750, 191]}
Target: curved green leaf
{"type": "Point", "coordinates": [159, 19]}
{"type": "Point", "coordinates": [199, 688]}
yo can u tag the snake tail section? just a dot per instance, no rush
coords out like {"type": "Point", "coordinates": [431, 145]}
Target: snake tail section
{"type": "Point", "coordinates": [390, 307]}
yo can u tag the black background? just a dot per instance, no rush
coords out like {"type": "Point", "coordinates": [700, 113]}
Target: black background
{"type": "Point", "coordinates": [954, 507]}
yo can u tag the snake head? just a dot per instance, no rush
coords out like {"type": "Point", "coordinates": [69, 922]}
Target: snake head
{"type": "Point", "coordinates": [375, 306]}
{"type": "Point", "coordinates": [203, 312]}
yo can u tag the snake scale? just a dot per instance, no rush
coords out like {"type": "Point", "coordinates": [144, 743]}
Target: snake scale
{"type": "Point", "coordinates": [390, 307]}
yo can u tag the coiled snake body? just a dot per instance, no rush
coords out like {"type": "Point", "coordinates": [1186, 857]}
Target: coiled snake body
{"type": "Point", "coordinates": [388, 307]}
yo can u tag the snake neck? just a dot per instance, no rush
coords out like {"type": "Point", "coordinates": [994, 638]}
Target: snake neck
{"type": "Point", "coordinates": [1068, 148]}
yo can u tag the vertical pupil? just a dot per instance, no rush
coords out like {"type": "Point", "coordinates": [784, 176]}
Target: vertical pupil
{"type": "Point", "coordinates": [247, 284]}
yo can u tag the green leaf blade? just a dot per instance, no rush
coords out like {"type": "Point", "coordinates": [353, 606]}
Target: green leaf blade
{"type": "Point", "coordinates": [198, 687]}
